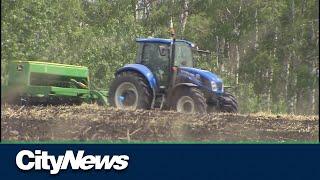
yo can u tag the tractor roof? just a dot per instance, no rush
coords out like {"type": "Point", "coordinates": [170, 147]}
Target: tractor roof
{"type": "Point", "coordinates": [162, 40]}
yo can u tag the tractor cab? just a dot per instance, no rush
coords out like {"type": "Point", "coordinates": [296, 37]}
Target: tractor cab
{"type": "Point", "coordinates": [156, 53]}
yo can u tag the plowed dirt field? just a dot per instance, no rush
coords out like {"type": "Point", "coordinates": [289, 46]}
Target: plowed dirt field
{"type": "Point", "coordinates": [94, 123]}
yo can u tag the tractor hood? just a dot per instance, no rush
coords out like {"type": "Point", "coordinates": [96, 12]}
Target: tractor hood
{"type": "Point", "coordinates": [205, 75]}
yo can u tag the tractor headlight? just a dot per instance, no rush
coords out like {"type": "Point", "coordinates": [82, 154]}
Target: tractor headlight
{"type": "Point", "coordinates": [214, 86]}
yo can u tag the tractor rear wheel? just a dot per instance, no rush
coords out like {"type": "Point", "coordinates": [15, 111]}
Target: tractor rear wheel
{"type": "Point", "coordinates": [130, 90]}
{"type": "Point", "coordinates": [228, 103]}
{"type": "Point", "coordinates": [189, 100]}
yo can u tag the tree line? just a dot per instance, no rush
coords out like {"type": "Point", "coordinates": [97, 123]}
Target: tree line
{"type": "Point", "coordinates": [266, 50]}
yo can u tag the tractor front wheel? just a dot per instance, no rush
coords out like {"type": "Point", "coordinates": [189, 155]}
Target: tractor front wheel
{"type": "Point", "coordinates": [189, 100]}
{"type": "Point", "coordinates": [130, 91]}
{"type": "Point", "coordinates": [228, 103]}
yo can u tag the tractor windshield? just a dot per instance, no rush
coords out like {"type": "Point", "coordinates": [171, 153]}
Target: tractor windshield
{"type": "Point", "coordinates": [183, 55]}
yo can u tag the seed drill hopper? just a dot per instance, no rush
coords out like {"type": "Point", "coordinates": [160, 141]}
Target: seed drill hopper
{"type": "Point", "coordinates": [33, 83]}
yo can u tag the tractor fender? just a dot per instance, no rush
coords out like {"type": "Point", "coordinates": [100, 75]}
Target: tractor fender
{"type": "Point", "coordinates": [142, 69]}
{"type": "Point", "coordinates": [146, 72]}
{"type": "Point", "coordinates": [184, 84]}
{"type": "Point", "coordinates": [175, 87]}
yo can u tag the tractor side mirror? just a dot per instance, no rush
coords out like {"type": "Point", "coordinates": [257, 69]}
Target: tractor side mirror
{"type": "Point", "coordinates": [163, 50]}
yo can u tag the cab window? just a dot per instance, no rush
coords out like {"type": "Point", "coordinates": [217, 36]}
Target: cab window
{"type": "Point", "coordinates": [183, 55]}
{"type": "Point", "coordinates": [156, 57]}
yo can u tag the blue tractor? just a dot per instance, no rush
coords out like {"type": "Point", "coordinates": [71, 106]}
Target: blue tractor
{"type": "Point", "coordinates": [164, 77]}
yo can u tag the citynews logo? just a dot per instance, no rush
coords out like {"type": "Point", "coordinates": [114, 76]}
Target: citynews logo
{"type": "Point", "coordinates": [40, 160]}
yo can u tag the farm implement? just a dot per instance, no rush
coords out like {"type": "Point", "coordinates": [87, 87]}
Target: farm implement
{"type": "Point", "coordinates": [33, 83]}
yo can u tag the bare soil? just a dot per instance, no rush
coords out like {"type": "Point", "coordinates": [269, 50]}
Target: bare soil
{"type": "Point", "coordinates": [94, 123]}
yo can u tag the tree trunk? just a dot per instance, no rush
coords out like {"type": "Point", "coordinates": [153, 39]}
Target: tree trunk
{"type": "Point", "coordinates": [292, 10]}
{"type": "Point", "coordinates": [257, 30]}
{"type": "Point", "coordinates": [184, 16]}
{"type": "Point", "coordinates": [313, 101]}
{"type": "Point", "coordinates": [218, 52]}
{"type": "Point", "coordinates": [223, 44]}
{"type": "Point", "coordinates": [294, 91]}
{"type": "Point", "coordinates": [316, 97]}
{"type": "Point", "coordinates": [237, 64]}
{"type": "Point", "coordinates": [287, 85]}
{"type": "Point", "coordinates": [237, 30]}
{"type": "Point", "coordinates": [228, 56]}
{"type": "Point", "coordinates": [270, 75]}
{"type": "Point", "coordinates": [299, 102]}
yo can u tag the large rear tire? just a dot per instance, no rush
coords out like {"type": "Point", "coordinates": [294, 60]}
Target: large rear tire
{"type": "Point", "coordinates": [228, 103]}
{"type": "Point", "coordinates": [189, 100]}
{"type": "Point", "coordinates": [130, 90]}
